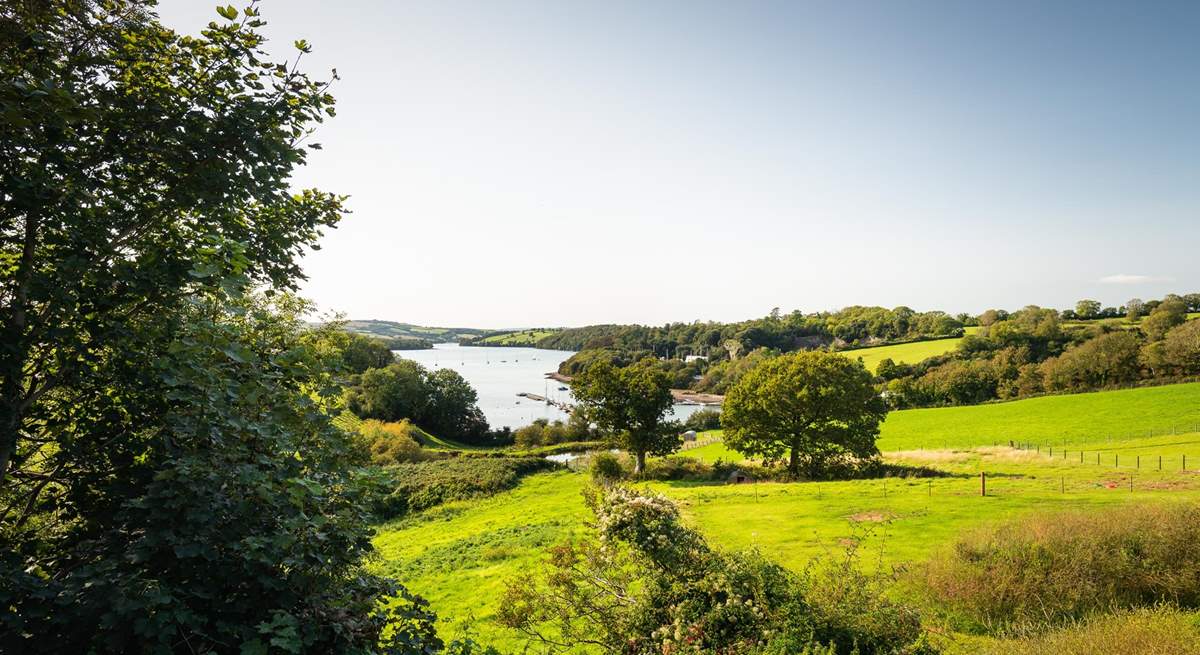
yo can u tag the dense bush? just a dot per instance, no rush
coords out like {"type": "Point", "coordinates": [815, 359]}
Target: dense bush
{"type": "Point", "coordinates": [362, 352]}
{"type": "Point", "coordinates": [543, 433]}
{"type": "Point", "coordinates": [392, 443]}
{"type": "Point", "coordinates": [408, 488]}
{"type": "Point", "coordinates": [704, 419]}
{"type": "Point", "coordinates": [1107, 360]}
{"type": "Point", "coordinates": [1058, 567]}
{"type": "Point", "coordinates": [606, 466]}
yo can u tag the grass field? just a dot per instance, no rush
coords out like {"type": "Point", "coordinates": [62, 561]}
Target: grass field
{"type": "Point", "coordinates": [1077, 418]}
{"type": "Point", "coordinates": [906, 353]}
{"type": "Point", "coordinates": [458, 556]}
{"type": "Point", "coordinates": [522, 338]}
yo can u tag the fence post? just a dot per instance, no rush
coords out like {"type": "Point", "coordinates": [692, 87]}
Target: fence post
{"type": "Point", "coordinates": [1139, 462]}
{"type": "Point", "coordinates": [1052, 451]}
{"type": "Point", "coordinates": [1117, 460]}
{"type": "Point", "coordinates": [1160, 462]}
{"type": "Point", "coordinates": [1063, 482]}
{"type": "Point", "coordinates": [982, 483]}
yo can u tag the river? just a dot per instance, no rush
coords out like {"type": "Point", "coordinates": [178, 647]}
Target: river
{"type": "Point", "coordinates": [499, 374]}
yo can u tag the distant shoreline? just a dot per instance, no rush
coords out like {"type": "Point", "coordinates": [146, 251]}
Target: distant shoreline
{"type": "Point", "coordinates": [684, 396]}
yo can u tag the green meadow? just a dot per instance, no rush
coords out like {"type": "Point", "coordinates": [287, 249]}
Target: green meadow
{"type": "Point", "coordinates": [460, 555]}
{"type": "Point", "coordinates": [521, 338]}
{"type": "Point", "coordinates": [905, 353]}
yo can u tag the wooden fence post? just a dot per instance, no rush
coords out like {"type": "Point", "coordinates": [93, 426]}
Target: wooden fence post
{"type": "Point", "coordinates": [982, 483]}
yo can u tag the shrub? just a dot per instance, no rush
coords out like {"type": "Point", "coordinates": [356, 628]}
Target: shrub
{"type": "Point", "coordinates": [418, 486]}
{"type": "Point", "coordinates": [392, 443]}
{"type": "Point", "coordinates": [606, 466]}
{"type": "Point", "coordinates": [704, 419]}
{"type": "Point", "coordinates": [1050, 568]}
{"type": "Point", "coordinates": [1159, 631]}
{"type": "Point", "coordinates": [543, 433]}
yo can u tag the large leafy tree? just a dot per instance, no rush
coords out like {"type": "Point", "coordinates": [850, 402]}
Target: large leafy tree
{"type": "Point", "coordinates": [810, 406]}
{"type": "Point", "coordinates": [129, 155]}
{"type": "Point", "coordinates": [170, 480]}
{"type": "Point", "coordinates": [629, 403]}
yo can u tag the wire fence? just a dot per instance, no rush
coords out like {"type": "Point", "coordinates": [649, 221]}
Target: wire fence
{"type": "Point", "coordinates": [1092, 450]}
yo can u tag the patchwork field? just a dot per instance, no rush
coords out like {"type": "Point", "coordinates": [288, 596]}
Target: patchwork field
{"type": "Point", "coordinates": [460, 555]}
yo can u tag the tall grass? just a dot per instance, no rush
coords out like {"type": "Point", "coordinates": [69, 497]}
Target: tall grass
{"type": "Point", "coordinates": [1046, 569]}
{"type": "Point", "coordinates": [1159, 631]}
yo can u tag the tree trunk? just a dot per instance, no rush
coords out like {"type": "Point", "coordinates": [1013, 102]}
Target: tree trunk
{"type": "Point", "coordinates": [12, 389]}
{"type": "Point", "coordinates": [794, 461]}
{"type": "Point", "coordinates": [640, 463]}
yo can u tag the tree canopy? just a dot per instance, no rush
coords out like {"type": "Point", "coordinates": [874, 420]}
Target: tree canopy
{"type": "Point", "coordinates": [441, 402]}
{"type": "Point", "coordinates": [630, 404]}
{"type": "Point", "coordinates": [810, 406]}
{"type": "Point", "coordinates": [170, 479]}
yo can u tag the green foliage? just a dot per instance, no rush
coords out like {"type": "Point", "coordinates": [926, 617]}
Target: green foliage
{"type": "Point", "coordinates": [1165, 316]}
{"type": "Point", "coordinates": [414, 487]}
{"type": "Point", "coordinates": [704, 419]}
{"type": "Point", "coordinates": [441, 401]}
{"type": "Point", "coordinates": [361, 353]}
{"type": "Point", "coordinates": [236, 487]}
{"type": "Point", "coordinates": [1109, 359]}
{"type": "Point", "coordinates": [1058, 567]}
{"type": "Point", "coordinates": [99, 234]}
{"type": "Point", "coordinates": [606, 467]}
{"type": "Point", "coordinates": [543, 432]}
{"type": "Point", "coordinates": [815, 407]}
{"type": "Point", "coordinates": [629, 404]}
{"type": "Point", "coordinates": [392, 443]}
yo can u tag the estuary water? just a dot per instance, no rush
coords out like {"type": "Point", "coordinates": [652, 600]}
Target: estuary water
{"type": "Point", "coordinates": [499, 374]}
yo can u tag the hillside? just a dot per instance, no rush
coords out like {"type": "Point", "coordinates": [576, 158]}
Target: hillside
{"type": "Point", "coordinates": [392, 329]}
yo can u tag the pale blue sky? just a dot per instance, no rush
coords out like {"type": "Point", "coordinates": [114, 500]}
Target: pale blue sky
{"type": "Point", "coordinates": [566, 163]}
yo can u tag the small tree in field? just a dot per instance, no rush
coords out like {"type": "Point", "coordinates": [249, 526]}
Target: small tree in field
{"type": "Point", "coordinates": [811, 406]}
{"type": "Point", "coordinates": [630, 404]}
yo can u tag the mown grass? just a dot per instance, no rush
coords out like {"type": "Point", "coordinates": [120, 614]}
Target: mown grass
{"type": "Point", "coordinates": [1089, 418]}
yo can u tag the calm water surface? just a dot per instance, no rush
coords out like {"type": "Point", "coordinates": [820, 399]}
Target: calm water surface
{"type": "Point", "coordinates": [499, 374]}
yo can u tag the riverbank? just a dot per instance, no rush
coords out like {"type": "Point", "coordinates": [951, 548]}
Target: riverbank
{"type": "Point", "coordinates": [681, 396]}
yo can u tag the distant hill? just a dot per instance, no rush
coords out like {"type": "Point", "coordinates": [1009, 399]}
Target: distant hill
{"type": "Point", "coordinates": [394, 330]}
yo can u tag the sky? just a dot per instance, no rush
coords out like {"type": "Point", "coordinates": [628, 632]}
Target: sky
{"type": "Point", "coordinates": [513, 164]}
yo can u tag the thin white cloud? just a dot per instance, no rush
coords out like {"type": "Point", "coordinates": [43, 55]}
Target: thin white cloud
{"type": "Point", "coordinates": [1125, 278]}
